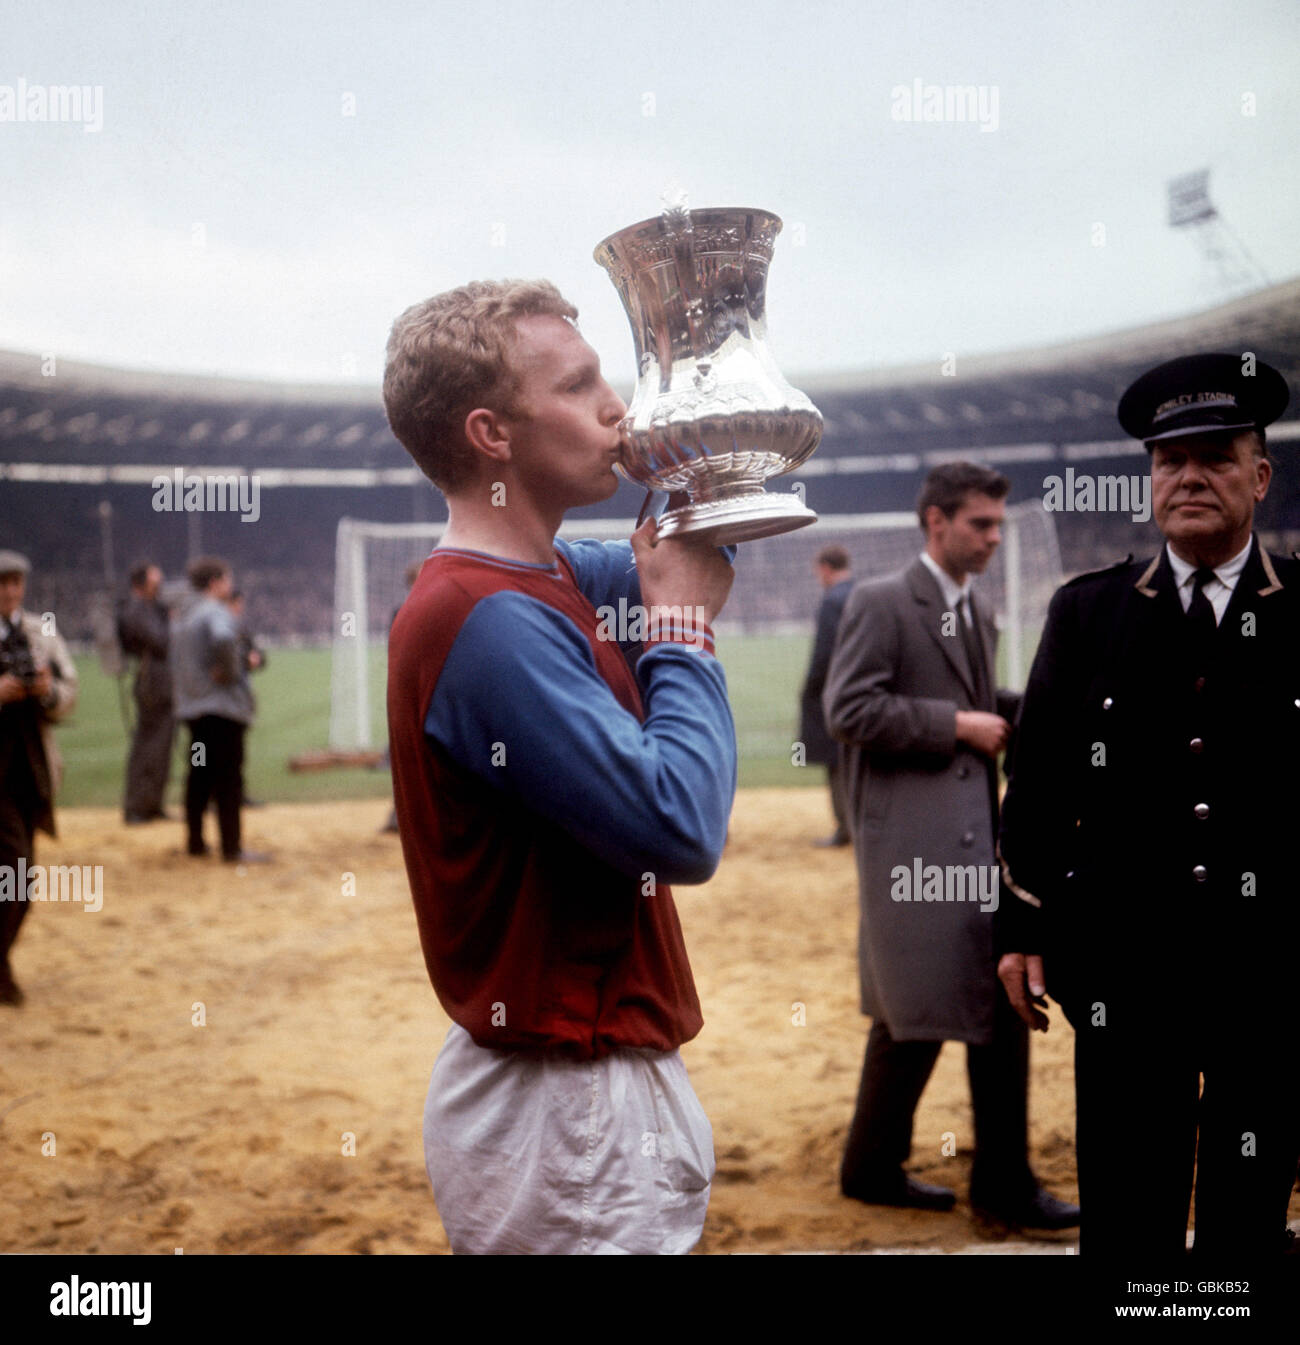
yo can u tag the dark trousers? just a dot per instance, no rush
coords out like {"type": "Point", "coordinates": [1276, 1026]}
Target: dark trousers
{"type": "Point", "coordinates": [894, 1075]}
{"type": "Point", "coordinates": [1144, 1119]}
{"type": "Point", "coordinates": [149, 764]}
{"type": "Point", "coordinates": [220, 778]}
{"type": "Point", "coordinates": [17, 840]}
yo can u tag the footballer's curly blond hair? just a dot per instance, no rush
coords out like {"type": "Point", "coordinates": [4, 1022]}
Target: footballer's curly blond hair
{"type": "Point", "coordinates": [447, 356]}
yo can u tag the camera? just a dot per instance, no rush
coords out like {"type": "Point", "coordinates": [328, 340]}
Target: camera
{"type": "Point", "coordinates": [16, 659]}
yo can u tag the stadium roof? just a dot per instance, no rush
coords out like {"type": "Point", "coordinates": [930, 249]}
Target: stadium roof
{"type": "Point", "coordinates": [1009, 407]}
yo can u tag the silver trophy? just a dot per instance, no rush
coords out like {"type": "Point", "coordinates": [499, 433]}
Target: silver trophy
{"type": "Point", "coordinates": [711, 415]}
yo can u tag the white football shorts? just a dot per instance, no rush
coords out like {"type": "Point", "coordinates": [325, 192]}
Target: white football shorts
{"type": "Point", "coordinates": [538, 1153]}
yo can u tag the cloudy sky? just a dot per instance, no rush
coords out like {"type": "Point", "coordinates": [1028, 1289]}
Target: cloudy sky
{"type": "Point", "coordinates": [273, 182]}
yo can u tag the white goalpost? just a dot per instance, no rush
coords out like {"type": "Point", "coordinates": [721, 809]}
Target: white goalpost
{"type": "Point", "coordinates": [775, 593]}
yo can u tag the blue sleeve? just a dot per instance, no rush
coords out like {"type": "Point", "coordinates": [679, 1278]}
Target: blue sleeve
{"type": "Point", "coordinates": [605, 571]}
{"type": "Point", "coordinates": [607, 577]}
{"type": "Point", "coordinates": [521, 705]}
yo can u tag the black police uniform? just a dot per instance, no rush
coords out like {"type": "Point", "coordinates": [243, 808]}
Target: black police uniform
{"type": "Point", "coordinates": [1147, 817]}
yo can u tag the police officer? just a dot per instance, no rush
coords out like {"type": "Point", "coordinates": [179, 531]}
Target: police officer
{"type": "Point", "coordinates": [1151, 847]}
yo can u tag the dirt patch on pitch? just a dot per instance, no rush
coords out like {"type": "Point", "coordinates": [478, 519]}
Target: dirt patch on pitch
{"type": "Point", "coordinates": [226, 1061]}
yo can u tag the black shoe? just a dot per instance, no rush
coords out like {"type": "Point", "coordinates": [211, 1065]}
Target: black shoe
{"type": "Point", "coordinates": [162, 815]}
{"type": "Point", "coordinates": [834, 842]}
{"type": "Point", "coordinates": [9, 991]}
{"type": "Point", "coordinates": [197, 850]}
{"type": "Point", "coordinates": [904, 1192]}
{"type": "Point", "coordinates": [1041, 1210]}
{"type": "Point", "coordinates": [248, 857]}
{"type": "Point", "coordinates": [137, 819]}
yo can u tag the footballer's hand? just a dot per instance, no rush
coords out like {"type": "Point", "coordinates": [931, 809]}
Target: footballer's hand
{"type": "Point", "coordinates": [11, 689]}
{"type": "Point", "coordinates": [1022, 978]}
{"type": "Point", "coordinates": [682, 572]}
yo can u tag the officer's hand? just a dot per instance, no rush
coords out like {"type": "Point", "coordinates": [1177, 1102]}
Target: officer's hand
{"type": "Point", "coordinates": [682, 572]}
{"type": "Point", "coordinates": [11, 689]}
{"type": "Point", "coordinates": [1018, 972]}
{"type": "Point", "coordinates": [984, 732]}
{"type": "Point", "coordinates": [40, 684]}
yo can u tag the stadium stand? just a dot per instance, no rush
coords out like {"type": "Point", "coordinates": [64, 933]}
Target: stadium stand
{"type": "Point", "coordinates": [77, 436]}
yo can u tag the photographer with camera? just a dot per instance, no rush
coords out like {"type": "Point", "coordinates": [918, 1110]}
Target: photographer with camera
{"type": "Point", "coordinates": [38, 687]}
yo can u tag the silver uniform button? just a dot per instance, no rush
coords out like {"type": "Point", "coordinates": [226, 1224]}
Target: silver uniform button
{"type": "Point", "coordinates": [1107, 703]}
{"type": "Point", "coordinates": [1197, 745]}
{"type": "Point", "coordinates": [1202, 810]}
{"type": "Point", "coordinates": [1200, 873]}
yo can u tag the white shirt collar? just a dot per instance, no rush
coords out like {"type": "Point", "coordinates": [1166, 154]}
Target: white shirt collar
{"type": "Point", "coordinates": [1219, 589]}
{"type": "Point", "coordinates": [952, 592]}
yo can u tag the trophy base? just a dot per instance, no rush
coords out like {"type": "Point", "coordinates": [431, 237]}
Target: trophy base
{"type": "Point", "coordinates": [740, 519]}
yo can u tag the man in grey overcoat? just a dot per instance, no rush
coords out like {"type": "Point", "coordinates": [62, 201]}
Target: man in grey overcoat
{"type": "Point", "coordinates": [910, 694]}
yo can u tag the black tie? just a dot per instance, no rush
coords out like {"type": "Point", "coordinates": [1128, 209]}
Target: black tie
{"type": "Point", "coordinates": [974, 653]}
{"type": "Point", "coordinates": [1200, 611]}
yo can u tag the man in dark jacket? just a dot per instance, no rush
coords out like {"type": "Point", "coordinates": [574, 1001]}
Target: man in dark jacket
{"type": "Point", "coordinates": [820, 749]}
{"type": "Point", "coordinates": [1152, 848]}
{"type": "Point", "coordinates": [38, 687]}
{"type": "Point", "coordinates": [143, 630]}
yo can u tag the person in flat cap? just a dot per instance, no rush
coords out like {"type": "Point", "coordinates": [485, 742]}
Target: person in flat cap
{"type": "Point", "coordinates": [1152, 855]}
{"type": "Point", "coordinates": [38, 687]}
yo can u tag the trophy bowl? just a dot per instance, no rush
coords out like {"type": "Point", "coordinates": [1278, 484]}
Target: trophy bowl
{"type": "Point", "coordinates": [711, 417]}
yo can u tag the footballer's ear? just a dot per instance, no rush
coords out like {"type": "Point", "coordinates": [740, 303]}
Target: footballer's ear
{"type": "Point", "coordinates": [486, 433]}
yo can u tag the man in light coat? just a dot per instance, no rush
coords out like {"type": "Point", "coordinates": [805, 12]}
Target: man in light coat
{"type": "Point", "coordinates": [910, 693]}
{"type": "Point", "coordinates": [213, 697]}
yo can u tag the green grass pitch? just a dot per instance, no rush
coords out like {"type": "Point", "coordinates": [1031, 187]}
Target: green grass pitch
{"type": "Point", "coordinates": [764, 673]}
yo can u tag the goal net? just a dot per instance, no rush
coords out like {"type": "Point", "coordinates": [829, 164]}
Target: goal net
{"type": "Point", "coordinates": [764, 631]}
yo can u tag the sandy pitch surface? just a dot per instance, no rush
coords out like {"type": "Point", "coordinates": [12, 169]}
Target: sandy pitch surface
{"type": "Point", "coordinates": [289, 1121]}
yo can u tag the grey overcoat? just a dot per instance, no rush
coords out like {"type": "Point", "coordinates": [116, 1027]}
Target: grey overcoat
{"type": "Point", "coordinates": [898, 675]}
